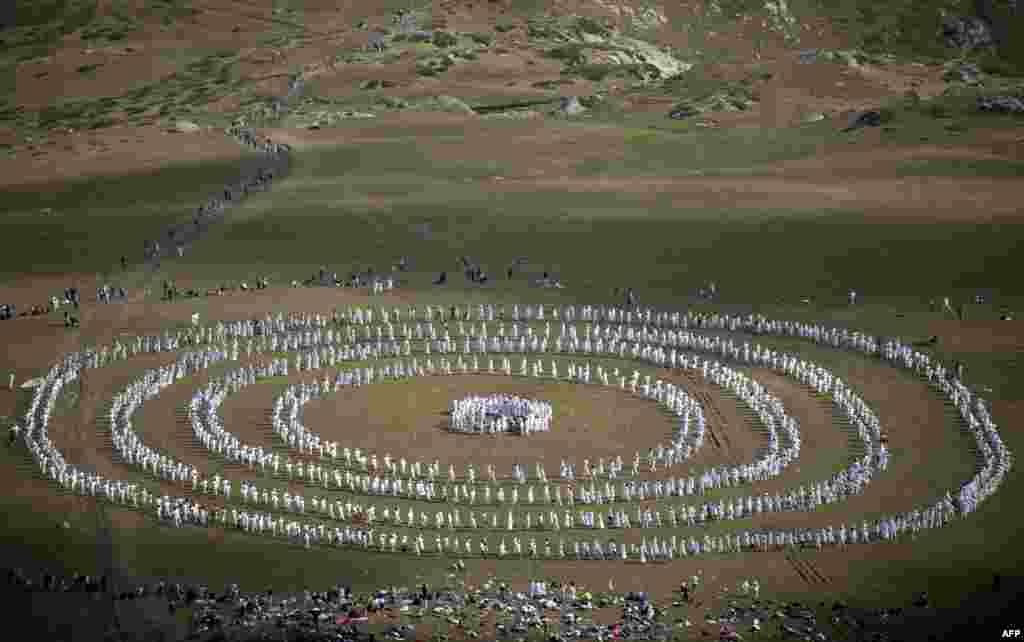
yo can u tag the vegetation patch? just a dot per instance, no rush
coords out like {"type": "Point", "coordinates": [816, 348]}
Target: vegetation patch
{"type": "Point", "coordinates": [552, 84]}
{"type": "Point", "coordinates": [484, 39]}
{"type": "Point", "coordinates": [40, 26]}
{"type": "Point", "coordinates": [599, 73]}
{"type": "Point", "coordinates": [569, 54]}
{"type": "Point", "coordinates": [111, 27]}
{"type": "Point", "coordinates": [443, 39]}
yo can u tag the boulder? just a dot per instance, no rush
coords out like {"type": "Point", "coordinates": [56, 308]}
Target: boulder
{"type": "Point", "coordinates": [965, 72]}
{"type": "Point", "coordinates": [1001, 104]}
{"type": "Point", "coordinates": [808, 56]}
{"type": "Point", "coordinates": [869, 118]}
{"type": "Point", "coordinates": [570, 106]}
{"type": "Point", "coordinates": [965, 32]}
{"type": "Point", "coordinates": [683, 111]}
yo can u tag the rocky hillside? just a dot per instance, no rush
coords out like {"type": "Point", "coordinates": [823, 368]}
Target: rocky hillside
{"type": "Point", "coordinates": [107, 66]}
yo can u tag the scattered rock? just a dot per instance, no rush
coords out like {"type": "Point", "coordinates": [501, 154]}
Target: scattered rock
{"type": "Point", "coordinates": [965, 72]}
{"type": "Point", "coordinates": [570, 106]}
{"type": "Point", "coordinates": [813, 117]}
{"type": "Point", "coordinates": [965, 32]}
{"type": "Point", "coordinates": [1001, 104]}
{"type": "Point", "coordinates": [682, 112]}
{"type": "Point", "coordinates": [869, 118]}
{"type": "Point", "coordinates": [377, 42]}
{"type": "Point", "coordinates": [407, 21]}
{"type": "Point", "coordinates": [808, 56]}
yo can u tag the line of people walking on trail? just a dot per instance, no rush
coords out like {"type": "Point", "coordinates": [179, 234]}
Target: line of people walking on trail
{"type": "Point", "coordinates": [492, 414]}
{"type": "Point", "coordinates": [996, 462]}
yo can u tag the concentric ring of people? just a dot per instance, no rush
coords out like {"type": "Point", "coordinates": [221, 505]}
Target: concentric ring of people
{"type": "Point", "coordinates": [241, 373]}
{"type": "Point", "coordinates": [733, 509]}
{"type": "Point", "coordinates": [286, 418]}
{"type": "Point", "coordinates": [996, 460]}
{"type": "Point", "coordinates": [498, 413]}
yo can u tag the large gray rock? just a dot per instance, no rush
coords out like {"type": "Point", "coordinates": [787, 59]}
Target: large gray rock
{"type": "Point", "coordinates": [965, 32]}
{"type": "Point", "coordinates": [859, 120]}
{"type": "Point", "coordinates": [376, 42]}
{"type": "Point", "coordinates": [683, 111]}
{"type": "Point", "coordinates": [571, 106]}
{"type": "Point", "coordinates": [808, 56]}
{"type": "Point", "coordinates": [1001, 104]}
{"type": "Point", "coordinates": [965, 72]}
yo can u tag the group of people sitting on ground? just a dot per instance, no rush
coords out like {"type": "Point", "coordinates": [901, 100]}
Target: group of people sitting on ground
{"type": "Point", "coordinates": [171, 291]}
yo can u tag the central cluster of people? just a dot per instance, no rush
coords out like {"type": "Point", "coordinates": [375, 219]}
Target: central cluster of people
{"type": "Point", "coordinates": [492, 414]}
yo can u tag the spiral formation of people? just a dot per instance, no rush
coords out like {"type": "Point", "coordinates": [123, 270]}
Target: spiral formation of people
{"type": "Point", "coordinates": [642, 504]}
{"type": "Point", "coordinates": [499, 413]}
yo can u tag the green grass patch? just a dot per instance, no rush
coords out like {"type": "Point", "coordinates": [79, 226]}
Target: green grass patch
{"type": "Point", "coordinates": [570, 54]}
{"type": "Point", "coordinates": [100, 219]}
{"type": "Point", "coordinates": [40, 26]}
{"type": "Point", "coordinates": [966, 168]}
{"type": "Point", "coordinates": [325, 199]}
{"type": "Point", "coordinates": [601, 72]}
{"type": "Point", "coordinates": [443, 39]}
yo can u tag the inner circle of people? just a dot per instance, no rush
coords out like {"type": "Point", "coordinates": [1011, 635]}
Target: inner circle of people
{"type": "Point", "coordinates": [499, 413]}
{"type": "Point", "coordinates": [656, 341]}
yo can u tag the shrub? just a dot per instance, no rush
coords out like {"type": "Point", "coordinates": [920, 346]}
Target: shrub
{"type": "Point", "coordinates": [444, 39]}
{"type": "Point", "coordinates": [996, 65]}
{"type": "Point", "coordinates": [593, 26]}
{"type": "Point", "coordinates": [571, 54]}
